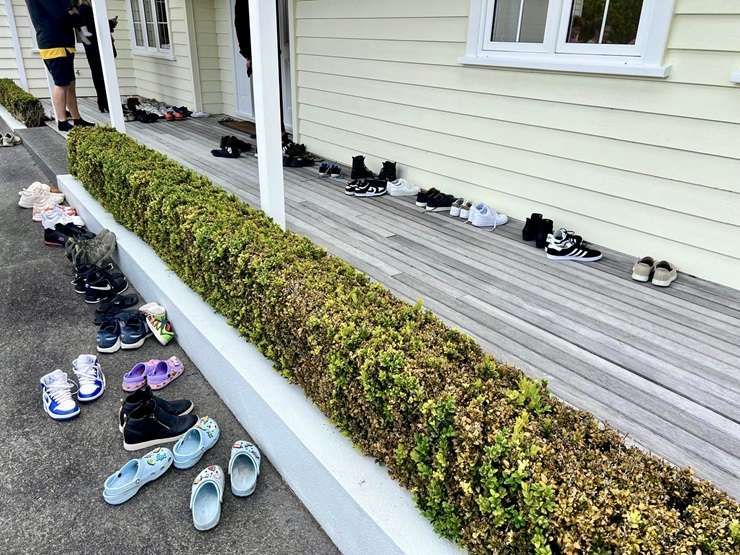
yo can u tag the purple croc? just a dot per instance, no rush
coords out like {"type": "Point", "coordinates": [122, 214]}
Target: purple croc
{"type": "Point", "coordinates": [136, 377]}
{"type": "Point", "coordinates": [163, 372]}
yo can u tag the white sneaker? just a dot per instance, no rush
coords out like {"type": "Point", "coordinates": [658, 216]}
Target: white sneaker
{"type": "Point", "coordinates": [89, 376]}
{"type": "Point", "coordinates": [159, 325]}
{"type": "Point", "coordinates": [485, 216]}
{"type": "Point", "coordinates": [456, 207]}
{"type": "Point", "coordinates": [38, 197]}
{"type": "Point", "coordinates": [57, 396]}
{"type": "Point", "coordinates": [57, 215]}
{"type": "Point", "coordinates": [465, 210]}
{"type": "Point", "coordinates": [402, 188]}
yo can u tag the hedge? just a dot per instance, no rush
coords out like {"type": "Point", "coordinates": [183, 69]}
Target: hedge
{"type": "Point", "coordinates": [493, 460]}
{"type": "Point", "coordinates": [23, 105]}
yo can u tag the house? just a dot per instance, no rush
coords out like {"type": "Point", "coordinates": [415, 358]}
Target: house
{"type": "Point", "coordinates": [617, 119]}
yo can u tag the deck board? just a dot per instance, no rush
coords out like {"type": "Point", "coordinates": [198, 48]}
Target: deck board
{"type": "Point", "coordinates": [662, 366]}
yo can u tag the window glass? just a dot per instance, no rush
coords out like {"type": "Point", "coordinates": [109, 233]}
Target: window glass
{"type": "Point", "coordinates": [534, 19]}
{"type": "Point", "coordinates": [604, 21]}
{"type": "Point", "coordinates": [150, 24]}
{"type": "Point", "coordinates": [162, 25]}
{"type": "Point", "coordinates": [136, 17]}
{"type": "Point", "coordinates": [519, 21]}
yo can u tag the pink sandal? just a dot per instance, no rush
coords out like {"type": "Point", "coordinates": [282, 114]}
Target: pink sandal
{"type": "Point", "coordinates": [136, 377]}
{"type": "Point", "coordinates": [164, 372]}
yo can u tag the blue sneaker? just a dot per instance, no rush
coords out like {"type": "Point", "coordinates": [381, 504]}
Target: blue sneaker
{"type": "Point", "coordinates": [109, 337]}
{"type": "Point", "coordinates": [134, 331]}
{"type": "Point", "coordinates": [90, 378]}
{"type": "Point", "coordinates": [200, 438]}
{"type": "Point", "coordinates": [57, 396]}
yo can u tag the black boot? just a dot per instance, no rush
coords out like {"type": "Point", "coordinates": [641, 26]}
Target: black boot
{"type": "Point", "coordinates": [143, 396]}
{"type": "Point", "coordinates": [149, 425]}
{"type": "Point", "coordinates": [388, 173]}
{"type": "Point", "coordinates": [359, 169]}
{"type": "Point", "coordinates": [529, 233]}
{"type": "Point", "coordinates": [544, 229]}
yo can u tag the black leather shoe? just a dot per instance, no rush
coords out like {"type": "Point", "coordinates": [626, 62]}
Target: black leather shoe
{"type": "Point", "coordinates": [544, 229]}
{"type": "Point", "coordinates": [180, 407]}
{"type": "Point", "coordinates": [149, 425]}
{"type": "Point", "coordinates": [529, 233]}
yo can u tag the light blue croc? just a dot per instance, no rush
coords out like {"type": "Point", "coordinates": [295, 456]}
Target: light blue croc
{"type": "Point", "coordinates": [199, 439]}
{"type": "Point", "coordinates": [124, 484]}
{"type": "Point", "coordinates": [244, 468]}
{"type": "Point", "coordinates": [206, 496]}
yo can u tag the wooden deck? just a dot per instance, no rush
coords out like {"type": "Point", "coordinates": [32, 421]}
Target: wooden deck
{"type": "Point", "coordinates": [662, 366]}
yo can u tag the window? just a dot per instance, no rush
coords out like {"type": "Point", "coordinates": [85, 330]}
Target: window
{"type": "Point", "coordinates": [596, 36]}
{"type": "Point", "coordinates": [150, 26]}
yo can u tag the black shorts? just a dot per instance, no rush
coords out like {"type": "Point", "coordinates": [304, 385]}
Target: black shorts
{"type": "Point", "coordinates": [62, 69]}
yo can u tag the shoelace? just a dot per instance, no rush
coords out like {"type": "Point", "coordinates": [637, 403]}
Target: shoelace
{"type": "Point", "coordinates": [61, 391]}
{"type": "Point", "coordinates": [87, 374]}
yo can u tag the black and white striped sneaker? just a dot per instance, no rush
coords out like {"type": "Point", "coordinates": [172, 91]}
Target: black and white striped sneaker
{"type": "Point", "coordinates": [372, 188]}
{"type": "Point", "coordinates": [565, 245]}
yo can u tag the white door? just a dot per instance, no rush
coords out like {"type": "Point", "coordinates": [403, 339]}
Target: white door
{"type": "Point", "coordinates": [243, 83]}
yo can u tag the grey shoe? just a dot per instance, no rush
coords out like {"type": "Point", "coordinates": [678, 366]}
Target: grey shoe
{"type": "Point", "coordinates": [665, 274]}
{"type": "Point", "coordinates": [94, 251]}
{"type": "Point", "coordinates": [643, 269]}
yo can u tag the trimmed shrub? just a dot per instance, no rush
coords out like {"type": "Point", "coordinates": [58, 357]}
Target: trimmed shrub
{"type": "Point", "coordinates": [493, 460]}
{"type": "Point", "coordinates": [23, 105]}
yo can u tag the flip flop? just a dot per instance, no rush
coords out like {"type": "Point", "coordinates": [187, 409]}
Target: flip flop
{"type": "Point", "coordinates": [190, 448]}
{"type": "Point", "coordinates": [164, 372]}
{"type": "Point", "coordinates": [206, 496]}
{"type": "Point", "coordinates": [124, 484]}
{"type": "Point", "coordinates": [136, 378]}
{"type": "Point", "coordinates": [244, 468]}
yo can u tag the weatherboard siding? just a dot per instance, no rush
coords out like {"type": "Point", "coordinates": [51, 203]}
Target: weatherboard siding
{"type": "Point", "coordinates": [641, 165]}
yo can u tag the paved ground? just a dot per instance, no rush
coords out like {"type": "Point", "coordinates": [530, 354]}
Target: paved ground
{"type": "Point", "coordinates": [52, 473]}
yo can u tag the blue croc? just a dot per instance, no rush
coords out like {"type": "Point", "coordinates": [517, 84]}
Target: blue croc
{"type": "Point", "coordinates": [124, 484]}
{"type": "Point", "coordinates": [244, 468]}
{"type": "Point", "coordinates": [200, 438]}
{"type": "Point", "coordinates": [206, 496]}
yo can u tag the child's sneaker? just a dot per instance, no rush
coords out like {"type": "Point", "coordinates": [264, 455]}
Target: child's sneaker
{"type": "Point", "coordinates": [57, 396]}
{"type": "Point", "coordinates": [156, 319]}
{"type": "Point", "coordinates": [90, 378]}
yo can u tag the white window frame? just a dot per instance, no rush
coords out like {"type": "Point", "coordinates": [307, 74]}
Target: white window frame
{"type": "Point", "coordinates": [644, 58]}
{"type": "Point", "coordinates": [146, 50]}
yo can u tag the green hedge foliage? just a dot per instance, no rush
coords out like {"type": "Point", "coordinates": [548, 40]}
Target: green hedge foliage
{"type": "Point", "coordinates": [24, 106]}
{"type": "Point", "coordinates": [493, 460]}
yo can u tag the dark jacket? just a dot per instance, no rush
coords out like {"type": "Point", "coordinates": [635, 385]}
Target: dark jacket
{"type": "Point", "coordinates": [53, 23]}
{"type": "Point", "coordinates": [241, 24]}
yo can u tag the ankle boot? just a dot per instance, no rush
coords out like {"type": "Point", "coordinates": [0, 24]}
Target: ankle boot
{"type": "Point", "coordinates": [359, 169]}
{"type": "Point", "coordinates": [149, 425]}
{"type": "Point", "coordinates": [144, 395]}
{"type": "Point", "coordinates": [388, 173]}
{"type": "Point", "coordinates": [529, 233]}
{"type": "Point", "coordinates": [543, 230]}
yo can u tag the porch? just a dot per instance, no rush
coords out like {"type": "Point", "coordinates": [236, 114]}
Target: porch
{"type": "Point", "coordinates": [659, 365]}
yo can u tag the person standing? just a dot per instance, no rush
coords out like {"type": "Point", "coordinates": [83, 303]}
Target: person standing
{"type": "Point", "coordinates": [54, 22]}
{"type": "Point", "coordinates": [92, 52]}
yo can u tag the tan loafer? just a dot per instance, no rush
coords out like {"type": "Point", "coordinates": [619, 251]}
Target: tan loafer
{"type": "Point", "coordinates": [643, 269]}
{"type": "Point", "coordinates": [665, 274]}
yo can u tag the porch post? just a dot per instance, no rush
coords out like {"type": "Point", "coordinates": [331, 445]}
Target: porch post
{"type": "Point", "coordinates": [263, 26]}
{"type": "Point", "coordinates": [16, 44]}
{"type": "Point", "coordinates": [108, 61]}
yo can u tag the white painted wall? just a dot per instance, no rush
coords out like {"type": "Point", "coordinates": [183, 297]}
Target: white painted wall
{"type": "Point", "coordinates": [643, 166]}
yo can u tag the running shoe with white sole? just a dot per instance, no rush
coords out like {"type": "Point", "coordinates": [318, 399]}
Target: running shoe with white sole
{"type": "Point", "coordinates": [90, 378]}
{"type": "Point", "coordinates": [57, 396]}
{"type": "Point", "coordinates": [402, 188]}
{"type": "Point", "coordinates": [566, 246]}
{"type": "Point", "coordinates": [485, 216]}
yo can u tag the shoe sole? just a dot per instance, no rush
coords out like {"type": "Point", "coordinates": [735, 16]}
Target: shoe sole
{"type": "Point", "coordinates": [370, 195]}
{"type": "Point", "coordinates": [61, 417]}
{"type": "Point", "coordinates": [132, 346]}
{"type": "Point", "coordinates": [349, 193]}
{"type": "Point", "coordinates": [151, 443]}
{"type": "Point", "coordinates": [108, 350]}
{"type": "Point", "coordinates": [421, 204]}
{"type": "Point", "coordinates": [661, 283]}
{"type": "Point", "coordinates": [642, 279]}
{"type": "Point", "coordinates": [48, 244]}
{"type": "Point", "coordinates": [439, 209]}
{"type": "Point", "coordinates": [576, 258]}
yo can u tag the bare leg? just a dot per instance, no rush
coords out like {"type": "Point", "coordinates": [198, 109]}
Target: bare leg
{"type": "Point", "coordinates": [72, 101]}
{"type": "Point", "coordinates": [59, 99]}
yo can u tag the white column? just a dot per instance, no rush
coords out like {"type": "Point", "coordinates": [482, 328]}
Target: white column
{"type": "Point", "coordinates": [16, 44]}
{"type": "Point", "coordinates": [108, 61]}
{"type": "Point", "coordinates": [263, 25]}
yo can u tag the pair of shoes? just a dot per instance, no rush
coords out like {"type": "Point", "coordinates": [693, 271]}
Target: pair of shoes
{"type": "Point", "coordinates": [482, 215]}
{"type": "Point", "coordinates": [159, 325]}
{"type": "Point", "coordinates": [38, 195]}
{"type": "Point", "coordinates": [110, 308]}
{"type": "Point", "coordinates": [360, 174]}
{"type": "Point", "coordinates": [402, 188]}
{"type": "Point", "coordinates": [142, 396]}
{"type": "Point", "coordinates": [327, 169]}
{"type": "Point", "coordinates": [207, 491]}
{"type": "Point", "coordinates": [57, 394]}
{"type": "Point", "coordinates": [10, 139]}
{"type": "Point", "coordinates": [537, 229]}
{"type": "Point", "coordinates": [565, 245]}
{"type": "Point", "coordinates": [660, 274]}
{"type": "Point", "coordinates": [39, 210]}
{"type": "Point", "coordinates": [97, 251]}
{"type": "Point", "coordinates": [235, 142]}
{"type": "Point", "coordinates": [64, 126]}
{"type": "Point", "coordinates": [156, 374]}
{"type": "Point", "coordinates": [433, 200]}
{"type": "Point", "coordinates": [461, 209]}
{"type": "Point", "coordinates": [370, 188]}
{"type": "Point", "coordinates": [126, 331]}
{"type": "Point", "coordinates": [98, 284]}
{"type": "Point", "coordinates": [54, 238]}
{"type": "Point", "coordinates": [59, 215]}
{"type": "Point", "coordinates": [147, 422]}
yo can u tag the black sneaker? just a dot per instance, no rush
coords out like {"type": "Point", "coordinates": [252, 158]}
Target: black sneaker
{"type": "Point", "coordinates": [71, 230]}
{"type": "Point", "coordinates": [64, 126]}
{"type": "Point", "coordinates": [235, 143]}
{"type": "Point", "coordinates": [104, 286]}
{"type": "Point", "coordinates": [564, 245]}
{"type": "Point", "coordinates": [293, 150]}
{"type": "Point", "coordinates": [440, 203]}
{"type": "Point", "coordinates": [335, 171]}
{"type": "Point", "coordinates": [372, 188]}
{"type": "Point", "coordinates": [388, 172]}
{"type": "Point", "coordinates": [423, 197]}
{"type": "Point", "coordinates": [149, 425]}
{"type": "Point", "coordinates": [529, 233]}
{"type": "Point", "coordinates": [114, 316]}
{"type": "Point", "coordinates": [324, 169]}
{"type": "Point", "coordinates": [134, 331]}
{"type": "Point", "coordinates": [82, 123]}
{"type": "Point", "coordinates": [83, 272]}
{"type": "Point", "coordinates": [118, 303]}
{"type": "Point", "coordinates": [359, 169]}
{"type": "Point", "coordinates": [353, 186]}
{"type": "Point", "coordinates": [53, 238]}
{"type": "Point", "coordinates": [544, 229]}
{"type": "Point", "coordinates": [144, 395]}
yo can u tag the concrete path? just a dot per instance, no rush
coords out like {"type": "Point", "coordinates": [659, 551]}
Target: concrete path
{"type": "Point", "coordinates": [52, 473]}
